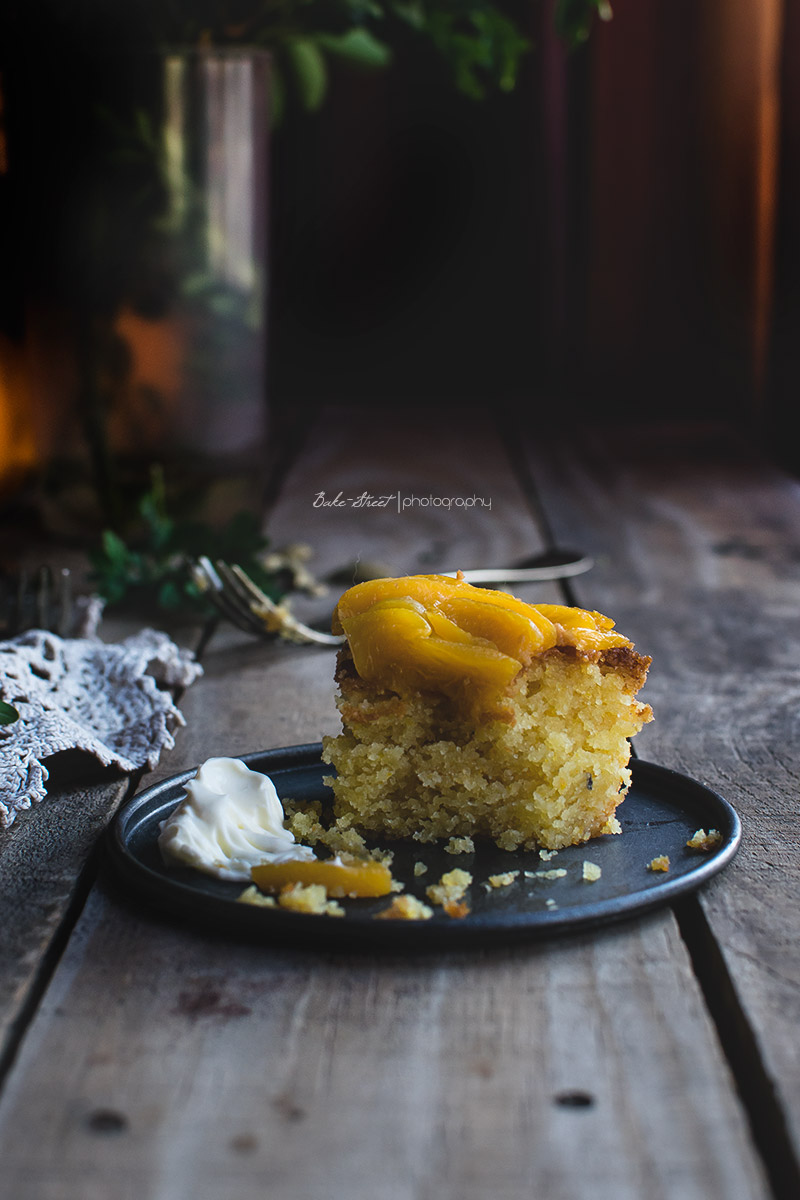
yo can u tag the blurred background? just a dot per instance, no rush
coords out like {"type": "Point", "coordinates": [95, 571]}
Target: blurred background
{"type": "Point", "coordinates": [215, 216]}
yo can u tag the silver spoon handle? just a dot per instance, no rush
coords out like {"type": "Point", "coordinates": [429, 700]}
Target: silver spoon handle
{"type": "Point", "coordinates": [524, 574]}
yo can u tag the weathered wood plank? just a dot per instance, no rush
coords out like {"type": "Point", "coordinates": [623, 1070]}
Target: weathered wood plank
{"type": "Point", "coordinates": [179, 1065]}
{"type": "Point", "coordinates": [413, 461]}
{"type": "Point", "coordinates": [698, 550]}
{"type": "Point", "coordinates": [211, 1068]}
{"type": "Point", "coordinates": [47, 865]}
{"type": "Point", "coordinates": [42, 859]}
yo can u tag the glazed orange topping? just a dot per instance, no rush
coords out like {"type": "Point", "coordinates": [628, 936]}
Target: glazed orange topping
{"type": "Point", "coordinates": [342, 877]}
{"type": "Point", "coordinates": [434, 633]}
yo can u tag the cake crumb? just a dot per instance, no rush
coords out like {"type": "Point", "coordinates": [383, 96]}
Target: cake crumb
{"type": "Point", "coordinates": [405, 908]}
{"type": "Point", "coordinates": [546, 855]}
{"type": "Point", "coordinates": [460, 845]}
{"type": "Point", "coordinates": [498, 881]}
{"type": "Point", "coordinates": [659, 863]}
{"type": "Point", "coordinates": [420, 868]}
{"type": "Point", "coordinates": [450, 888]}
{"type": "Point", "coordinates": [550, 903]}
{"type": "Point", "coordinates": [704, 841]}
{"type": "Point", "coordinates": [458, 909]}
{"type": "Point", "coordinates": [309, 898]}
{"type": "Point", "coordinates": [591, 871]}
{"type": "Point", "coordinates": [553, 873]}
{"type": "Point", "coordinates": [252, 895]}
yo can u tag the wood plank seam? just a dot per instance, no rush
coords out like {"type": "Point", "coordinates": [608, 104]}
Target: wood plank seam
{"type": "Point", "coordinates": [740, 1047]}
{"type": "Point", "coordinates": [747, 1056]}
{"type": "Point", "coordinates": [51, 957]}
{"type": "Point", "coordinates": [514, 449]}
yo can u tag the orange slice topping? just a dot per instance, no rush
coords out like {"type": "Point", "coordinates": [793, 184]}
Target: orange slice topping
{"type": "Point", "coordinates": [339, 876]}
{"type": "Point", "coordinates": [436, 633]}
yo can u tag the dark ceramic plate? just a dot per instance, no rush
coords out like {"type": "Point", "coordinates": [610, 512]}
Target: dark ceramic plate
{"type": "Point", "coordinates": [660, 813]}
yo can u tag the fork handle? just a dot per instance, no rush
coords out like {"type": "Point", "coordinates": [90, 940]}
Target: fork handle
{"type": "Point", "coordinates": [524, 574]}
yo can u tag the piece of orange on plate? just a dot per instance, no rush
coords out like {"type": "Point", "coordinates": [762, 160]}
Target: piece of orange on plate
{"type": "Point", "coordinates": [350, 876]}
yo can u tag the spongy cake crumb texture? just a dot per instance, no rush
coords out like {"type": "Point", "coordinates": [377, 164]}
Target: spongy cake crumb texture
{"type": "Point", "coordinates": [541, 761]}
{"type": "Point", "coordinates": [550, 772]}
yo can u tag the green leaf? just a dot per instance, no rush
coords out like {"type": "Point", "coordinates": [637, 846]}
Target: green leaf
{"type": "Point", "coordinates": [8, 714]}
{"type": "Point", "coordinates": [169, 595]}
{"type": "Point", "coordinates": [151, 569]}
{"type": "Point", "coordinates": [115, 549]}
{"type": "Point", "coordinates": [358, 46]}
{"type": "Point", "coordinates": [482, 46]}
{"type": "Point", "coordinates": [412, 12]}
{"type": "Point", "coordinates": [311, 74]}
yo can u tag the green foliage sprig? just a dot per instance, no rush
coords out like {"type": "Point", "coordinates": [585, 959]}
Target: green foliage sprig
{"type": "Point", "coordinates": [482, 42]}
{"type": "Point", "coordinates": [151, 568]}
{"type": "Point", "coordinates": [8, 714]}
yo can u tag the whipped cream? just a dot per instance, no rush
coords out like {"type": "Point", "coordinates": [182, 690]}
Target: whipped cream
{"type": "Point", "coordinates": [230, 821]}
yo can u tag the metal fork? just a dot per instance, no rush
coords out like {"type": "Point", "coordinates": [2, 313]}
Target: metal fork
{"type": "Point", "coordinates": [40, 599]}
{"type": "Point", "coordinates": [238, 598]}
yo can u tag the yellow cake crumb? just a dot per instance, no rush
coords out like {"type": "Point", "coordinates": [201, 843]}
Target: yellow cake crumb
{"type": "Point", "coordinates": [702, 840]}
{"type": "Point", "coordinates": [420, 868]}
{"type": "Point", "coordinates": [252, 895]}
{"type": "Point", "coordinates": [303, 820]}
{"type": "Point", "coordinates": [450, 888]}
{"type": "Point", "coordinates": [546, 855]}
{"type": "Point", "coordinates": [405, 908]}
{"type": "Point", "coordinates": [309, 898]}
{"type": "Point", "coordinates": [591, 871]}
{"type": "Point", "coordinates": [460, 845]}
{"type": "Point", "coordinates": [553, 873]}
{"type": "Point", "coordinates": [659, 863]}
{"type": "Point", "coordinates": [503, 880]}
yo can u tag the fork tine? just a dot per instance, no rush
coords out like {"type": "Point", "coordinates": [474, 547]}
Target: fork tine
{"type": "Point", "coordinates": [238, 599]}
{"type": "Point", "coordinates": [289, 626]}
{"type": "Point", "coordinates": [208, 580]}
{"type": "Point", "coordinates": [38, 599]}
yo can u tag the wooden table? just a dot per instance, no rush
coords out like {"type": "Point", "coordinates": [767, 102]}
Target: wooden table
{"type": "Point", "coordinates": [657, 1058]}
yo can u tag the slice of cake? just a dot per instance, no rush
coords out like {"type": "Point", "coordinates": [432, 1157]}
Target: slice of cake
{"type": "Point", "coordinates": [466, 712]}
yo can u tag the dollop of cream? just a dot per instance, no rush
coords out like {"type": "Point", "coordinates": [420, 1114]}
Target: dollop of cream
{"type": "Point", "coordinates": [230, 821]}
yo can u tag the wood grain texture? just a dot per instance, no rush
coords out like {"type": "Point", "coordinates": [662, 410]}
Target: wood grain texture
{"type": "Point", "coordinates": [46, 865]}
{"type": "Point", "coordinates": [178, 1065]}
{"type": "Point", "coordinates": [698, 551]}
{"type": "Point", "coordinates": [42, 858]}
{"type": "Point", "coordinates": [167, 1063]}
{"type": "Point", "coordinates": [423, 457]}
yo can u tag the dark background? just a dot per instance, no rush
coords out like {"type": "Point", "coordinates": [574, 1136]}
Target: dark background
{"type": "Point", "coordinates": [617, 239]}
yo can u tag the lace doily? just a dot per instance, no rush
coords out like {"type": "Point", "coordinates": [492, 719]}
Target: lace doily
{"type": "Point", "coordinates": [84, 694]}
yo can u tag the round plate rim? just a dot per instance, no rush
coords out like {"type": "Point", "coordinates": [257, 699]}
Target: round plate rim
{"type": "Point", "coordinates": [192, 902]}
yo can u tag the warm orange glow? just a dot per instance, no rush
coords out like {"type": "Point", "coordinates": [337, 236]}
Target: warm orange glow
{"type": "Point", "coordinates": [143, 418]}
{"type": "Point", "coordinates": [769, 46]}
{"type": "Point", "coordinates": [742, 58]}
{"type": "Point", "coordinates": [18, 453]}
